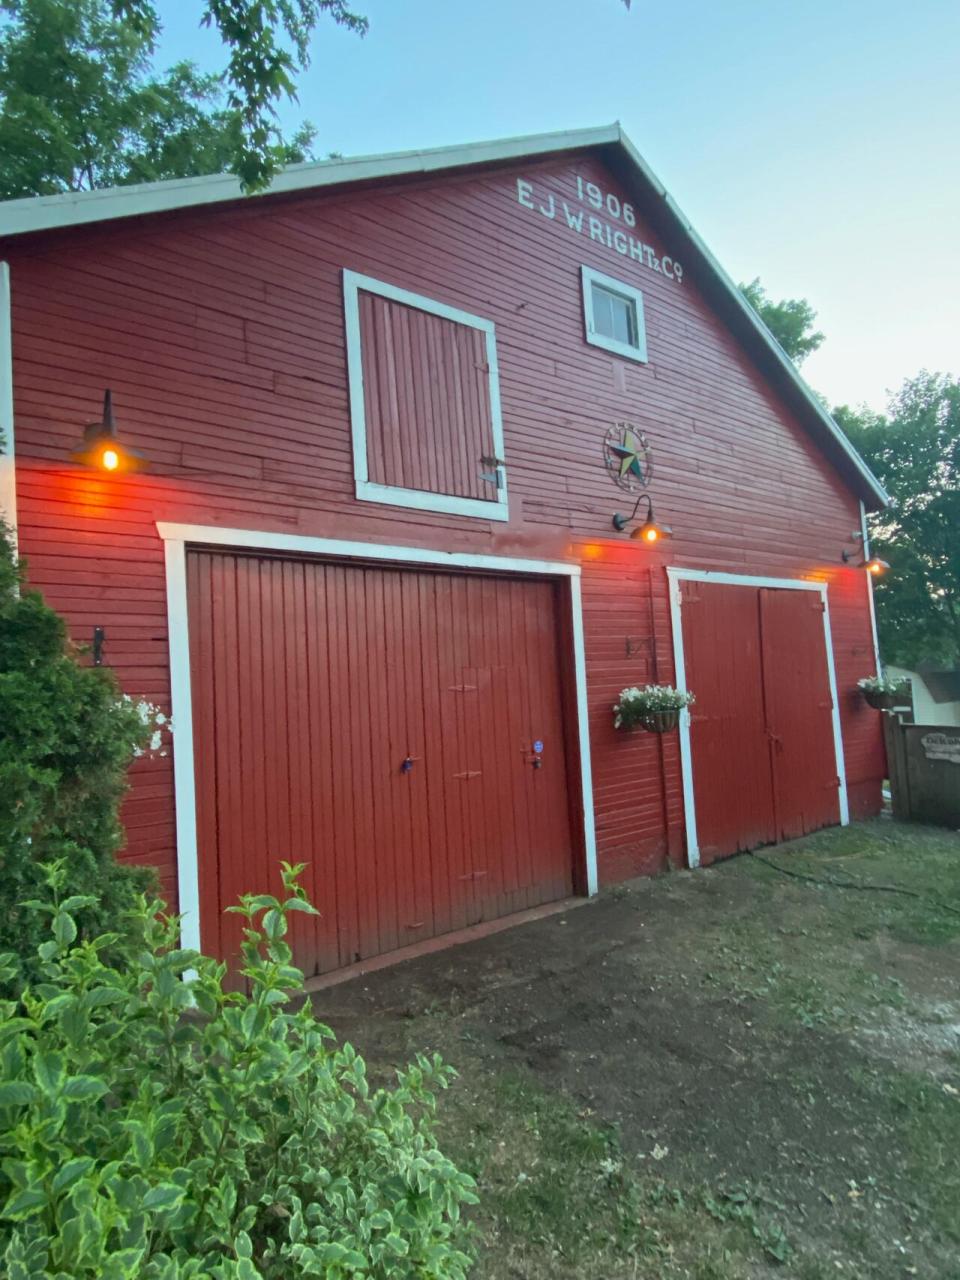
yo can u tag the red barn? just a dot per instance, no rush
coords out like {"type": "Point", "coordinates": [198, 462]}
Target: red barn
{"type": "Point", "coordinates": [390, 409]}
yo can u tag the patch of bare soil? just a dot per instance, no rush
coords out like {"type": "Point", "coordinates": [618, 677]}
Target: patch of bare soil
{"type": "Point", "coordinates": [620, 1006]}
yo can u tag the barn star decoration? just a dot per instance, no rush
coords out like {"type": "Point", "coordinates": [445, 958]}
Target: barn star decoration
{"type": "Point", "coordinates": [628, 457]}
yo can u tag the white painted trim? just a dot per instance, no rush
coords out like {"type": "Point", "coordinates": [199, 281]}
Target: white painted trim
{"type": "Point", "coordinates": [674, 577]}
{"type": "Point", "coordinates": [842, 800]}
{"type": "Point", "coordinates": [865, 543]}
{"type": "Point", "coordinates": [583, 735]}
{"type": "Point", "coordinates": [72, 209]}
{"type": "Point", "coordinates": [746, 580]}
{"type": "Point", "coordinates": [394, 495]}
{"type": "Point", "coordinates": [686, 756]}
{"type": "Point", "coordinates": [588, 278]}
{"type": "Point", "coordinates": [184, 774]}
{"type": "Point", "coordinates": [8, 465]}
{"type": "Point", "coordinates": [176, 538]}
{"type": "Point", "coordinates": [302, 544]}
{"type": "Point", "coordinates": [422, 500]}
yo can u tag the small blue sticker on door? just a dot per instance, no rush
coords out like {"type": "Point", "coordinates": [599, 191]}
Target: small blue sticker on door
{"type": "Point", "coordinates": [538, 746]}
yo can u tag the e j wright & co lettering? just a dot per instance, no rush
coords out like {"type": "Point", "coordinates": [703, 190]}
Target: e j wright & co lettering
{"type": "Point", "coordinates": [583, 216]}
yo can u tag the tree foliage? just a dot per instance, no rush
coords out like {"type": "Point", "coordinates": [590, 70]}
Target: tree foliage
{"type": "Point", "coordinates": [790, 320]}
{"type": "Point", "coordinates": [268, 42]}
{"type": "Point", "coordinates": [914, 449]}
{"type": "Point", "coordinates": [66, 739]}
{"type": "Point", "coordinates": [82, 107]}
{"type": "Point", "coordinates": [156, 1128]}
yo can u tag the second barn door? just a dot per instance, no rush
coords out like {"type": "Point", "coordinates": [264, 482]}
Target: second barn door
{"type": "Point", "coordinates": [762, 751]}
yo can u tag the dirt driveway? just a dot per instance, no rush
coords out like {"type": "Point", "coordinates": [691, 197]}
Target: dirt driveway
{"type": "Point", "coordinates": [732, 1073]}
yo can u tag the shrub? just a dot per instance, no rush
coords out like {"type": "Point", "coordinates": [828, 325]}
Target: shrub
{"type": "Point", "coordinates": [66, 739]}
{"type": "Point", "coordinates": [165, 1129]}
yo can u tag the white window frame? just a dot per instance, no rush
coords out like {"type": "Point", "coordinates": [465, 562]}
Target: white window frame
{"type": "Point", "coordinates": [418, 499]}
{"type": "Point", "coordinates": [588, 278]}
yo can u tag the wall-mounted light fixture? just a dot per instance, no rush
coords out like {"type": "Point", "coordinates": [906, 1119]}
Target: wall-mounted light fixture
{"type": "Point", "coordinates": [101, 448]}
{"type": "Point", "coordinates": [650, 530]}
{"type": "Point", "coordinates": [859, 560]}
{"type": "Point", "coordinates": [874, 565]}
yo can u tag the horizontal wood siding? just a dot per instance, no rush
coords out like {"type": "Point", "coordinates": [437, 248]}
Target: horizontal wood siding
{"type": "Point", "coordinates": [221, 335]}
{"type": "Point", "coordinates": [426, 397]}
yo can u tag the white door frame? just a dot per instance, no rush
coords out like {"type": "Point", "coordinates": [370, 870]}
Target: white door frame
{"type": "Point", "coordinates": [675, 577]}
{"type": "Point", "coordinates": [177, 537]}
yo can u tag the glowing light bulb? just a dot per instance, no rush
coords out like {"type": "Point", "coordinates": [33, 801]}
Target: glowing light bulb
{"type": "Point", "coordinates": [110, 459]}
{"type": "Point", "coordinates": [651, 535]}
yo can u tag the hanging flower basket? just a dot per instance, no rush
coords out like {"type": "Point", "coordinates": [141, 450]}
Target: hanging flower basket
{"type": "Point", "coordinates": [654, 707]}
{"type": "Point", "coordinates": [883, 693]}
{"type": "Point", "coordinates": [661, 721]}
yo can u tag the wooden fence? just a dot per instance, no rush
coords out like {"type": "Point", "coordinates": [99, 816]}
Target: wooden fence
{"type": "Point", "coordinates": [924, 764]}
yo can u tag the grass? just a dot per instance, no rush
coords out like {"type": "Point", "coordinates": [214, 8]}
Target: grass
{"type": "Point", "coordinates": [560, 1198]}
{"type": "Point", "coordinates": [829, 1013]}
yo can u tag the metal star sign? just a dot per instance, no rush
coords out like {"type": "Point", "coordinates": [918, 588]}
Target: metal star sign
{"type": "Point", "coordinates": [628, 457]}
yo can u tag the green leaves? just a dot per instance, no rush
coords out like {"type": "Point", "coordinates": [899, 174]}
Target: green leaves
{"type": "Point", "coordinates": [156, 1130]}
{"type": "Point", "coordinates": [81, 106]}
{"type": "Point", "coordinates": [790, 321]}
{"type": "Point", "coordinates": [914, 449]}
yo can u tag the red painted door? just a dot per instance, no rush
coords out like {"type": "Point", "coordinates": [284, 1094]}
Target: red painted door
{"type": "Point", "coordinates": [730, 751]}
{"type": "Point", "coordinates": [377, 723]}
{"type": "Point", "coordinates": [799, 712]}
{"type": "Point", "coordinates": [761, 731]}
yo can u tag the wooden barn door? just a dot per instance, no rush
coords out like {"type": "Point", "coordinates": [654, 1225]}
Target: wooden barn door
{"type": "Point", "coordinates": [761, 730]}
{"type": "Point", "coordinates": [799, 712]}
{"type": "Point", "coordinates": [729, 746]}
{"type": "Point", "coordinates": [379, 724]}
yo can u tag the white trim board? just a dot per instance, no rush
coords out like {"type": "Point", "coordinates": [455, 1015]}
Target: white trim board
{"type": "Point", "coordinates": [8, 465]}
{"type": "Point", "coordinates": [177, 537]}
{"type": "Point", "coordinates": [417, 499]}
{"type": "Point", "coordinates": [674, 577]}
{"type": "Point", "coordinates": [865, 543]}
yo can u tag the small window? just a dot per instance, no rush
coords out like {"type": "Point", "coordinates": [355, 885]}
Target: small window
{"type": "Point", "coordinates": [613, 315]}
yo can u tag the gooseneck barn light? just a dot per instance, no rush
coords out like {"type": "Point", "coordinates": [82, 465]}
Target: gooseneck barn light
{"type": "Point", "coordinates": [650, 530]}
{"type": "Point", "coordinates": [874, 565]}
{"type": "Point", "coordinates": [101, 448]}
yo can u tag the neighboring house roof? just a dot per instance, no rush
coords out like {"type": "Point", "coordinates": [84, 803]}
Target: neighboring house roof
{"type": "Point", "coordinates": [45, 213]}
{"type": "Point", "coordinates": [943, 686]}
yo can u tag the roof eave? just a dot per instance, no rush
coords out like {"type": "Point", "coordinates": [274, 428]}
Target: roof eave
{"type": "Point", "coordinates": [46, 213]}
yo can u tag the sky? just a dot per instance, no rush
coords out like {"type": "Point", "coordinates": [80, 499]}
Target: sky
{"type": "Point", "coordinates": [814, 145]}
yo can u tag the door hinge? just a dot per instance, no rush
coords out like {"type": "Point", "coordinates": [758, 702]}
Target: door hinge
{"type": "Point", "coordinates": [495, 474]}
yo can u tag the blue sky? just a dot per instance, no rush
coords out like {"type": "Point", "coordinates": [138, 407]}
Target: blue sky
{"type": "Point", "coordinates": [814, 145]}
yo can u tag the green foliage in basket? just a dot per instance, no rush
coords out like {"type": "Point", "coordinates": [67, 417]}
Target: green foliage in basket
{"type": "Point", "coordinates": [636, 704]}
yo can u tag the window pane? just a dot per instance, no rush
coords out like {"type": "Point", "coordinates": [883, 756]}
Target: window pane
{"type": "Point", "coordinates": [614, 317]}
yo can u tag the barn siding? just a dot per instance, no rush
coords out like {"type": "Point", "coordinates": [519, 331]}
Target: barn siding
{"type": "Point", "coordinates": [221, 335]}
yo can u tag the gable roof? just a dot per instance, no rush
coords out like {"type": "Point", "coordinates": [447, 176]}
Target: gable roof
{"type": "Point", "coordinates": [75, 209]}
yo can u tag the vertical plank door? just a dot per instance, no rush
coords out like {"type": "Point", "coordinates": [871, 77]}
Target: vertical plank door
{"type": "Point", "coordinates": [730, 755]}
{"type": "Point", "coordinates": [799, 710]}
{"type": "Point", "coordinates": [378, 724]}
